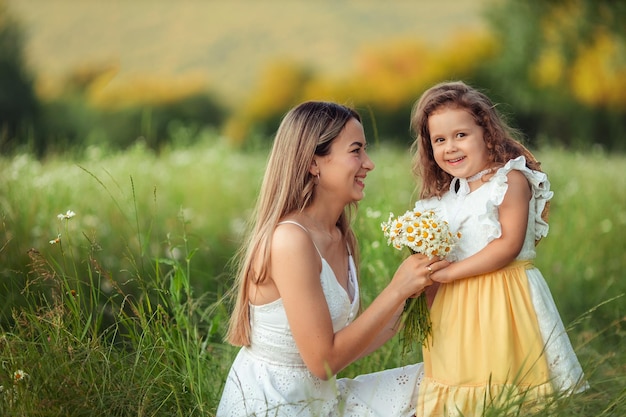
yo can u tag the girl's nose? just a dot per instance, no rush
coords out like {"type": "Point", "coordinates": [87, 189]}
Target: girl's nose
{"type": "Point", "coordinates": [450, 146]}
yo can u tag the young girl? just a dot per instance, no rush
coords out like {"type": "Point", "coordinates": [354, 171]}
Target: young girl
{"type": "Point", "coordinates": [298, 294]}
{"type": "Point", "coordinates": [497, 336]}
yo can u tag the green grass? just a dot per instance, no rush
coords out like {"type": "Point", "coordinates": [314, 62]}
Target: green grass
{"type": "Point", "coordinates": [121, 316]}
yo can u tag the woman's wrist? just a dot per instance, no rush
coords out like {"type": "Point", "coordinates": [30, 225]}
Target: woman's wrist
{"type": "Point", "coordinates": [397, 297]}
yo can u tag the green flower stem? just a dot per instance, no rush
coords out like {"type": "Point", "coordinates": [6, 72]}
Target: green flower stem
{"type": "Point", "coordinates": [417, 324]}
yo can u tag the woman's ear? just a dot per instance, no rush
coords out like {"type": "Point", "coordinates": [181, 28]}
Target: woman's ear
{"type": "Point", "coordinates": [314, 170]}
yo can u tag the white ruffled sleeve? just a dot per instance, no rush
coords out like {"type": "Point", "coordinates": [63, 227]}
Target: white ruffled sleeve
{"type": "Point", "coordinates": [541, 194]}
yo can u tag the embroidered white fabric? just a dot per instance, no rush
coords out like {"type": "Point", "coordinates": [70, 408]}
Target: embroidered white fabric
{"type": "Point", "coordinates": [565, 370]}
{"type": "Point", "coordinates": [269, 378]}
{"type": "Point", "coordinates": [476, 213]}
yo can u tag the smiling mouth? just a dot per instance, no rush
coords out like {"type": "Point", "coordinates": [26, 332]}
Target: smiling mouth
{"type": "Point", "coordinates": [454, 161]}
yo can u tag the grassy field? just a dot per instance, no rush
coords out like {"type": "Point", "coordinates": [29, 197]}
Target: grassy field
{"type": "Point", "coordinates": [117, 310]}
{"type": "Point", "coordinates": [226, 42]}
{"type": "Point", "coordinates": [114, 267]}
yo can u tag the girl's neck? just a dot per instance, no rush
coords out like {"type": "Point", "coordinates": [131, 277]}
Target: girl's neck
{"type": "Point", "coordinates": [480, 174]}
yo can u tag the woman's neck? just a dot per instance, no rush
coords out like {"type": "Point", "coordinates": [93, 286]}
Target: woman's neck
{"type": "Point", "coordinates": [322, 222]}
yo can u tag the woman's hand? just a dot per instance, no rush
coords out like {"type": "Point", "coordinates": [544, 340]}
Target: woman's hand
{"type": "Point", "coordinates": [413, 275]}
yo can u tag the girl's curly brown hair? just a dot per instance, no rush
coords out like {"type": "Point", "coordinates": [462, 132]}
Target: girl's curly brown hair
{"type": "Point", "coordinates": [502, 141]}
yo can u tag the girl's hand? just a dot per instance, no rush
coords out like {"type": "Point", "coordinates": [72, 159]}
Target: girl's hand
{"type": "Point", "coordinates": [442, 276]}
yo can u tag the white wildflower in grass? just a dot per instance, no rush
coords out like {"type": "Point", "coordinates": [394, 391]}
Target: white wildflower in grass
{"type": "Point", "coordinates": [68, 215]}
{"type": "Point", "coordinates": [19, 376]}
{"type": "Point", "coordinates": [57, 240]}
{"type": "Point", "coordinates": [426, 234]}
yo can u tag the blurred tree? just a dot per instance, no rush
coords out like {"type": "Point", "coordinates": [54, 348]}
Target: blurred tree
{"type": "Point", "coordinates": [279, 87]}
{"type": "Point", "coordinates": [383, 87]}
{"type": "Point", "coordinates": [18, 102]}
{"type": "Point", "coordinates": [562, 68]}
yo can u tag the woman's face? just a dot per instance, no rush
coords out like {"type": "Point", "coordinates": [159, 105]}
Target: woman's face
{"type": "Point", "coordinates": [342, 172]}
{"type": "Point", "coordinates": [458, 145]}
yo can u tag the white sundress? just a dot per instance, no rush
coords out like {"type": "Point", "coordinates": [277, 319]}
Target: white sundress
{"type": "Point", "coordinates": [269, 378]}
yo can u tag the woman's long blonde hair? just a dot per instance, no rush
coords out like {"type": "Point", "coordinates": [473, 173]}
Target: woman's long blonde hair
{"type": "Point", "coordinates": [307, 130]}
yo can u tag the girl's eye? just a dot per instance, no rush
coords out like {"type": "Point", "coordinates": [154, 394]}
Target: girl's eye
{"type": "Point", "coordinates": [438, 140]}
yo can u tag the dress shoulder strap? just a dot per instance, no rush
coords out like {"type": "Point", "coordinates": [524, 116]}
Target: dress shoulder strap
{"type": "Point", "coordinates": [296, 223]}
{"type": "Point", "coordinates": [306, 230]}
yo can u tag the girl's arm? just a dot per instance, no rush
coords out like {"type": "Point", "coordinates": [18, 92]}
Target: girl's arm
{"type": "Point", "coordinates": [295, 270]}
{"type": "Point", "coordinates": [513, 217]}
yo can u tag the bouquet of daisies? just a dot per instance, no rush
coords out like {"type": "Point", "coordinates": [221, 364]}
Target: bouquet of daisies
{"type": "Point", "coordinates": [425, 233]}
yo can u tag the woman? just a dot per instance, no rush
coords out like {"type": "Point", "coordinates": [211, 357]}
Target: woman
{"type": "Point", "coordinates": [298, 294]}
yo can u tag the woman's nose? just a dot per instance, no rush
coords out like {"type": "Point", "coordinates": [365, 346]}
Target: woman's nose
{"type": "Point", "coordinates": [368, 163]}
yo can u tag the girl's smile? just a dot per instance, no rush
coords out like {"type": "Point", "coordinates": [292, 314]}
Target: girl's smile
{"type": "Point", "coordinates": [457, 141]}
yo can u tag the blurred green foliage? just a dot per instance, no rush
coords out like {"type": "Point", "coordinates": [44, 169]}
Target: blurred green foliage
{"type": "Point", "coordinates": [18, 103]}
{"type": "Point", "coordinates": [149, 110]}
{"type": "Point", "coordinates": [383, 86]}
{"type": "Point", "coordinates": [558, 68]}
{"type": "Point", "coordinates": [78, 113]}
{"type": "Point", "coordinates": [561, 69]}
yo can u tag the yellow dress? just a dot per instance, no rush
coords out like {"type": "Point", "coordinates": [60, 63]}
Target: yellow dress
{"type": "Point", "coordinates": [498, 340]}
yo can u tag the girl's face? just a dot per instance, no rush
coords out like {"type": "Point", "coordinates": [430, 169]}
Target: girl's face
{"type": "Point", "coordinates": [458, 145]}
{"type": "Point", "coordinates": [343, 170]}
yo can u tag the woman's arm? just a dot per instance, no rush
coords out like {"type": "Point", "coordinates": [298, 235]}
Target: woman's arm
{"type": "Point", "coordinates": [394, 324]}
{"type": "Point", "coordinates": [513, 217]}
{"type": "Point", "coordinates": [295, 270]}
{"type": "Point", "coordinates": [388, 331]}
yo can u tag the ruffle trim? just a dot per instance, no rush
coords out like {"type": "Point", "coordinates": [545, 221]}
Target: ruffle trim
{"type": "Point", "coordinates": [540, 187]}
{"type": "Point", "coordinates": [437, 399]}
